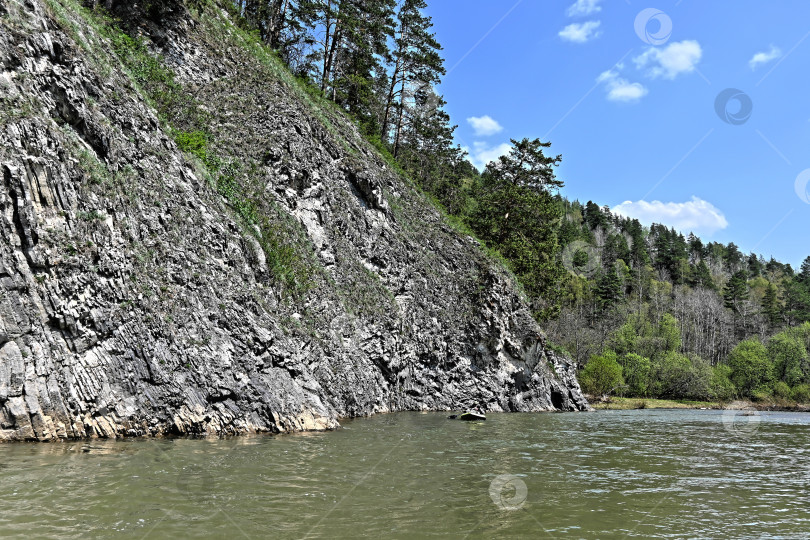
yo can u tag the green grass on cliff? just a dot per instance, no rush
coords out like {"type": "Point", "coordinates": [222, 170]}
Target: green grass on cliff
{"type": "Point", "coordinates": [288, 251]}
{"type": "Point", "coordinates": [280, 237]}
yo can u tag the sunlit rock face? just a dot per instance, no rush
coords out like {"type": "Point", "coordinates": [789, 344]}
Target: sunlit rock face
{"type": "Point", "coordinates": [134, 299]}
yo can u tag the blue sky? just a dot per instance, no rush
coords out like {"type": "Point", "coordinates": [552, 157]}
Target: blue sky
{"type": "Point", "coordinates": [634, 113]}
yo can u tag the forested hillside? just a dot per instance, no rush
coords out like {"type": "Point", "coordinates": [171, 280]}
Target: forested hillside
{"type": "Point", "coordinates": [645, 311]}
{"type": "Point", "coordinates": [682, 318]}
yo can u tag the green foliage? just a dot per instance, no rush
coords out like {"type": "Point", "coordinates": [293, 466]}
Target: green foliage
{"type": "Point", "coordinates": [194, 143]}
{"type": "Point", "coordinates": [787, 353]}
{"type": "Point", "coordinates": [156, 81]}
{"type": "Point", "coordinates": [285, 262]}
{"type": "Point", "coordinates": [608, 289]}
{"type": "Point", "coordinates": [771, 308]}
{"type": "Point", "coordinates": [652, 365]}
{"type": "Point", "coordinates": [676, 375]}
{"type": "Point", "coordinates": [580, 258]}
{"type": "Point", "coordinates": [762, 394]}
{"type": "Point", "coordinates": [664, 275]}
{"type": "Point", "coordinates": [375, 141]}
{"type": "Point", "coordinates": [800, 393]}
{"type": "Point", "coordinates": [516, 215]}
{"type": "Point", "coordinates": [781, 390]}
{"type": "Point", "coordinates": [280, 239]}
{"type": "Point", "coordinates": [638, 335]}
{"type": "Point", "coordinates": [720, 385]}
{"type": "Point", "coordinates": [602, 375]}
{"type": "Point", "coordinates": [92, 215]}
{"type": "Point", "coordinates": [625, 338]}
{"type": "Point", "coordinates": [557, 349]}
{"type": "Point", "coordinates": [670, 333]}
{"type": "Point", "coordinates": [700, 276]}
{"type": "Point", "coordinates": [143, 67]}
{"type": "Point", "coordinates": [13, 109]}
{"type": "Point", "coordinates": [636, 371]}
{"type": "Point", "coordinates": [736, 291]}
{"type": "Point", "coordinates": [95, 171]}
{"type": "Point", "coordinates": [750, 367]}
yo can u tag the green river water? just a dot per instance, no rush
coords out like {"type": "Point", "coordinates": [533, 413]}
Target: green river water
{"type": "Point", "coordinates": [609, 474]}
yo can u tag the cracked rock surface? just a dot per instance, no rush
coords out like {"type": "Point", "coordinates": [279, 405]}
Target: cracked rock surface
{"type": "Point", "coordinates": [134, 302]}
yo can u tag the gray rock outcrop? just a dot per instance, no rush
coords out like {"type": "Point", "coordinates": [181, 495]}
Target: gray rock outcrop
{"type": "Point", "coordinates": [134, 301]}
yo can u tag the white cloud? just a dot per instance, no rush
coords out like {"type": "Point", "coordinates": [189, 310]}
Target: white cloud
{"type": "Point", "coordinates": [764, 57]}
{"type": "Point", "coordinates": [584, 7]}
{"type": "Point", "coordinates": [696, 215]}
{"type": "Point", "coordinates": [620, 89]}
{"type": "Point", "coordinates": [484, 125]}
{"type": "Point", "coordinates": [581, 32]}
{"type": "Point", "coordinates": [670, 61]}
{"type": "Point", "coordinates": [482, 153]}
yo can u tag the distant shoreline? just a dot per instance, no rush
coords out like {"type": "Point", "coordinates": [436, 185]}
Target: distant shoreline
{"type": "Point", "coordinates": [621, 403]}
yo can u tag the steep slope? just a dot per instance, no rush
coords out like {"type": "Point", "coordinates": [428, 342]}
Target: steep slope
{"type": "Point", "coordinates": [148, 291]}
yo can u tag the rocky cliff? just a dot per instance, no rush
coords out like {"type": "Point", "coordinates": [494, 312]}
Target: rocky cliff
{"type": "Point", "coordinates": [284, 278]}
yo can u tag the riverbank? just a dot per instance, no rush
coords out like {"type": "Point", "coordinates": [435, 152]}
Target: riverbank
{"type": "Point", "coordinates": [622, 403]}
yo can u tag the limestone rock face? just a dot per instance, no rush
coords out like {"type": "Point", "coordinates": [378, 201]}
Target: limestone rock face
{"type": "Point", "coordinates": [135, 301]}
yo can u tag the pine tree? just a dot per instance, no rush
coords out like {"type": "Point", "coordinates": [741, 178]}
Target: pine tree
{"type": "Point", "coordinates": [351, 41]}
{"type": "Point", "coordinates": [638, 248]}
{"type": "Point", "coordinates": [428, 153]}
{"type": "Point", "coordinates": [770, 306]}
{"type": "Point", "coordinates": [700, 276]}
{"type": "Point", "coordinates": [416, 61]}
{"type": "Point", "coordinates": [593, 215]}
{"type": "Point", "coordinates": [279, 23]}
{"type": "Point", "coordinates": [517, 215]}
{"type": "Point", "coordinates": [732, 257]}
{"type": "Point", "coordinates": [736, 297]}
{"type": "Point", "coordinates": [754, 266]}
{"type": "Point", "coordinates": [695, 247]}
{"type": "Point", "coordinates": [609, 289]}
{"type": "Point", "coordinates": [360, 56]}
{"type": "Point", "coordinates": [736, 291]}
{"type": "Point", "coordinates": [797, 302]}
{"type": "Point", "coordinates": [615, 249]}
{"type": "Point", "coordinates": [772, 267]}
{"type": "Point", "coordinates": [804, 273]}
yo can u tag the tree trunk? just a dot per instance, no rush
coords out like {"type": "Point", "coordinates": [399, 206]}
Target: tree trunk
{"type": "Point", "coordinates": [326, 45]}
{"type": "Point", "coordinates": [277, 20]}
{"type": "Point", "coordinates": [389, 102]}
{"type": "Point", "coordinates": [399, 120]}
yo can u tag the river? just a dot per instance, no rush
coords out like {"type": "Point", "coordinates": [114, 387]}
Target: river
{"type": "Point", "coordinates": [609, 474]}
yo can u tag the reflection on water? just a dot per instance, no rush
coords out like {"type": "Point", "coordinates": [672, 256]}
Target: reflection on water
{"type": "Point", "coordinates": [612, 474]}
